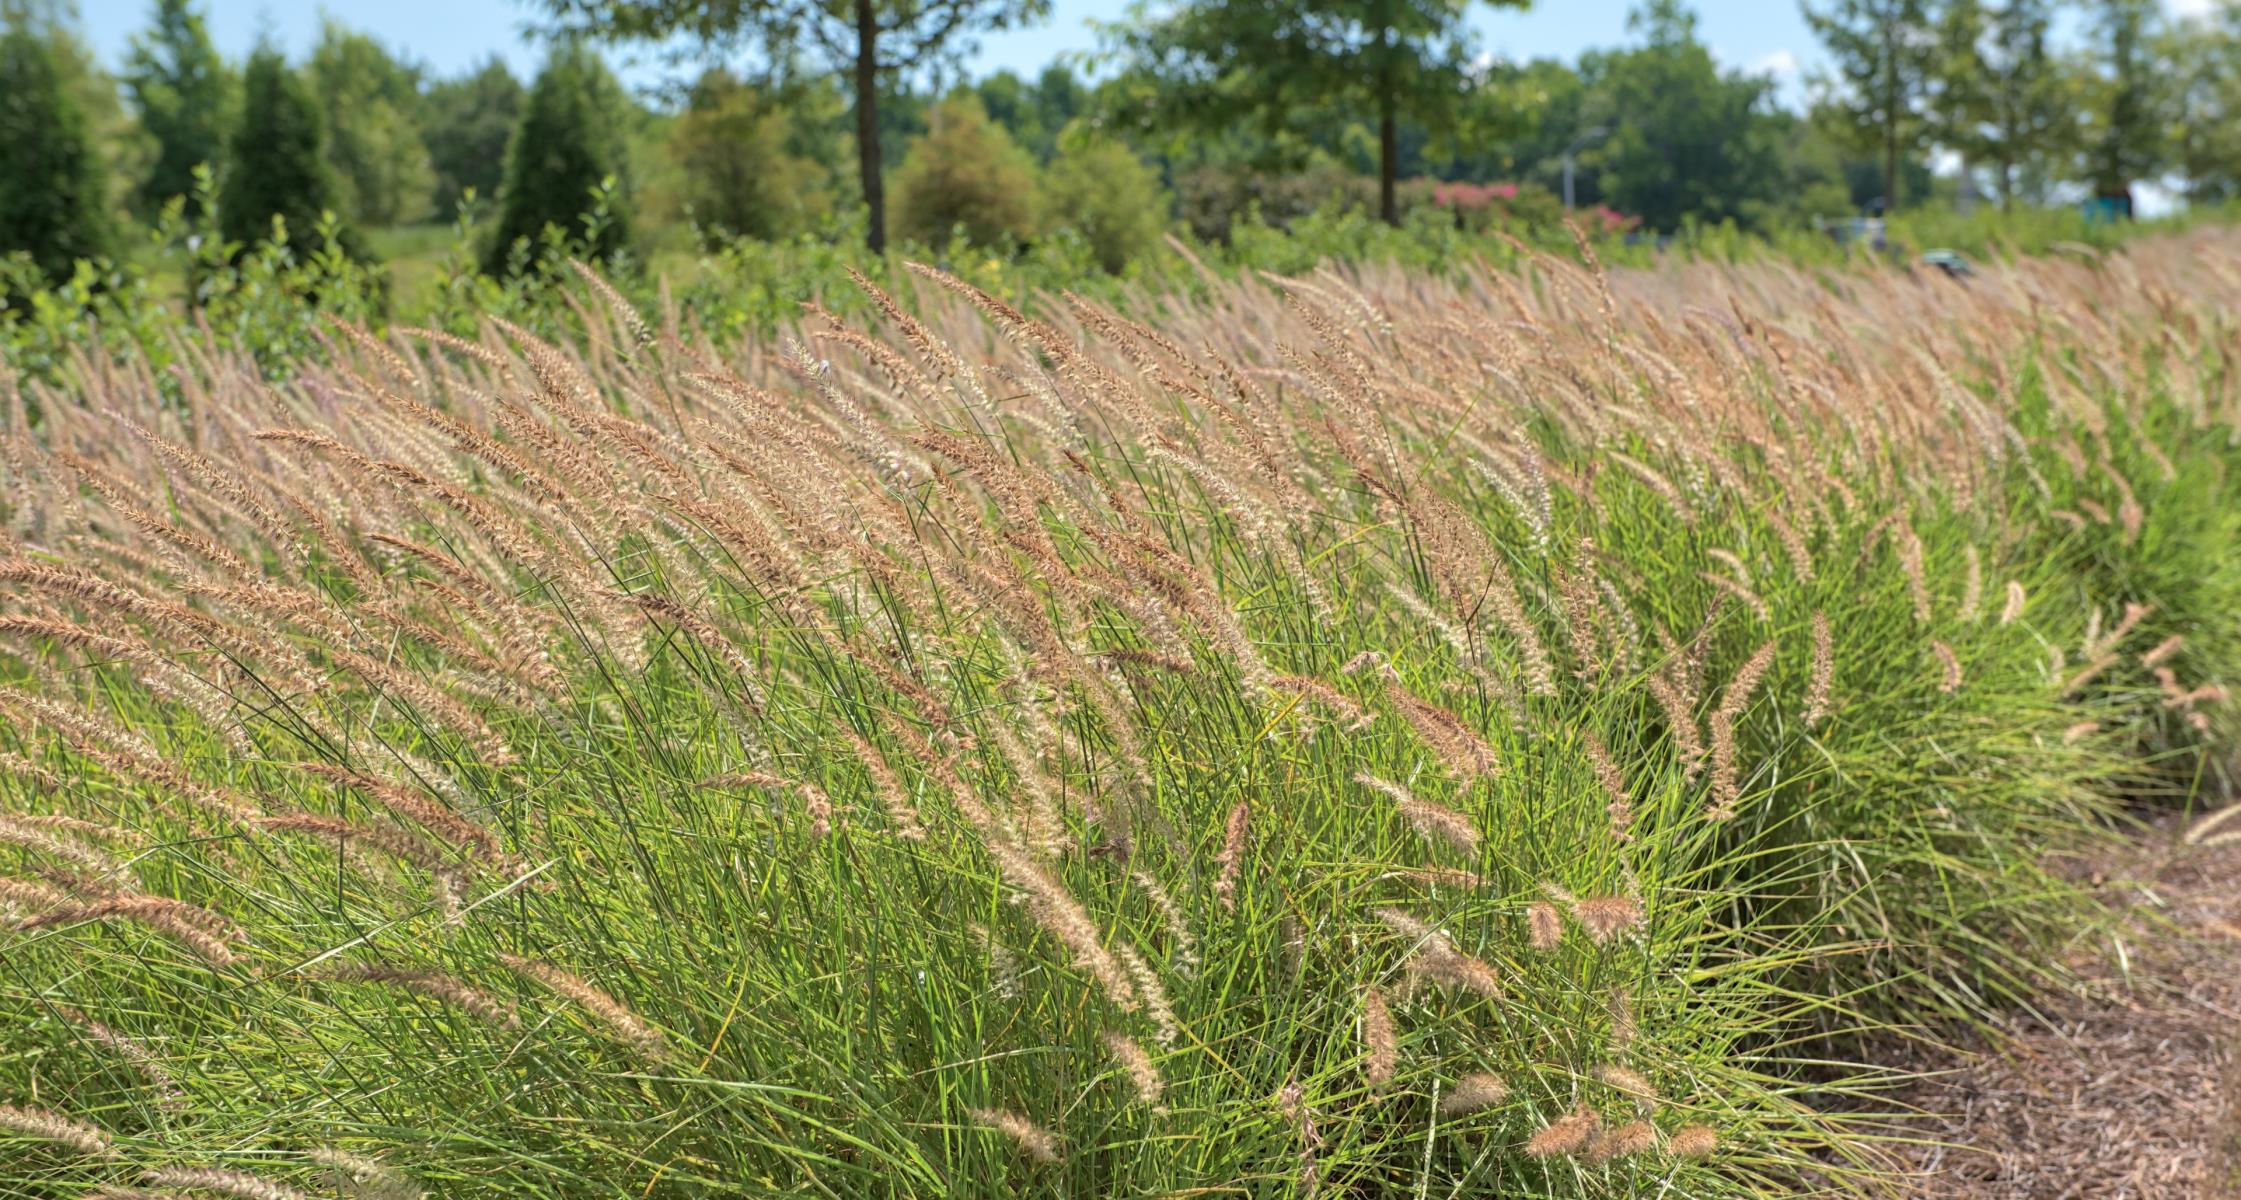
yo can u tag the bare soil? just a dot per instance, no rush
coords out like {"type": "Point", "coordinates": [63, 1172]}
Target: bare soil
{"type": "Point", "coordinates": [2124, 1090]}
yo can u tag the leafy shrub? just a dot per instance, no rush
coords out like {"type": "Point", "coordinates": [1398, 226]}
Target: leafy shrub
{"type": "Point", "coordinates": [1099, 188]}
{"type": "Point", "coordinates": [966, 174]}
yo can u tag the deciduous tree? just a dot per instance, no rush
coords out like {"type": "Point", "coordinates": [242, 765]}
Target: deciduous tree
{"type": "Point", "coordinates": [865, 41]}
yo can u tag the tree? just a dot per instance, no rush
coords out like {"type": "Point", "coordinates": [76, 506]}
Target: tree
{"type": "Point", "coordinates": [965, 175]}
{"type": "Point", "coordinates": [568, 145]}
{"type": "Point", "coordinates": [1999, 95]}
{"type": "Point", "coordinates": [373, 136]}
{"type": "Point", "coordinates": [743, 173]}
{"type": "Point", "coordinates": [1885, 55]}
{"type": "Point", "coordinates": [1035, 114]}
{"type": "Point", "coordinates": [1097, 187]}
{"type": "Point", "coordinates": [277, 161]}
{"type": "Point", "coordinates": [867, 41]}
{"type": "Point", "coordinates": [53, 195]}
{"type": "Point", "coordinates": [2124, 140]}
{"type": "Point", "coordinates": [1686, 141]}
{"type": "Point", "coordinates": [185, 96]}
{"type": "Point", "coordinates": [466, 123]}
{"type": "Point", "coordinates": [1219, 61]}
{"type": "Point", "coordinates": [2202, 56]}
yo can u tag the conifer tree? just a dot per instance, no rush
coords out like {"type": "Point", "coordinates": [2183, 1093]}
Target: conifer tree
{"type": "Point", "coordinates": [569, 142]}
{"type": "Point", "coordinates": [184, 95]}
{"type": "Point", "coordinates": [277, 163]}
{"type": "Point", "coordinates": [53, 200]}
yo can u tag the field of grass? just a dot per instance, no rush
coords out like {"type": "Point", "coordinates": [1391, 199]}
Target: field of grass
{"type": "Point", "coordinates": [1351, 734]}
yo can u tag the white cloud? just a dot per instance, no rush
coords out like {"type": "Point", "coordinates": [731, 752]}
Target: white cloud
{"type": "Point", "coordinates": [1782, 64]}
{"type": "Point", "coordinates": [2192, 8]}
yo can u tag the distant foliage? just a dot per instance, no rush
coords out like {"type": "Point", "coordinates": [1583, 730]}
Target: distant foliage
{"type": "Point", "coordinates": [185, 95]}
{"type": "Point", "coordinates": [467, 122]}
{"type": "Point", "coordinates": [1098, 188]}
{"type": "Point", "coordinates": [278, 165]}
{"type": "Point", "coordinates": [965, 175]}
{"type": "Point", "coordinates": [373, 141]}
{"type": "Point", "coordinates": [742, 174]}
{"type": "Point", "coordinates": [53, 195]}
{"type": "Point", "coordinates": [568, 145]}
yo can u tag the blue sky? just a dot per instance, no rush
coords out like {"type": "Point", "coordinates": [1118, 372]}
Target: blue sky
{"type": "Point", "coordinates": [451, 35]}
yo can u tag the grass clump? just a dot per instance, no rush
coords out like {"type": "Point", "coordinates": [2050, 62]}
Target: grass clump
{"type": "Point", "coordinates": [1357, 734]}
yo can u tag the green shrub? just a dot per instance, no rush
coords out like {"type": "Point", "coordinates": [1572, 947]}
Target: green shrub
{"type": "Point", "coordinates": [1097, 187]}
{"type": "Point", "coordinates": [966, 174]}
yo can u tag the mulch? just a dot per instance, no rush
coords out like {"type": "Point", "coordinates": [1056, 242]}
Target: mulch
{"type": "Point", "coordinates": [2124, 1090]}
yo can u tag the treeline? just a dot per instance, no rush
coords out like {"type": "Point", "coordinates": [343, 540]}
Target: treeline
{"type": "Point", "coordinates": [1208, 113]}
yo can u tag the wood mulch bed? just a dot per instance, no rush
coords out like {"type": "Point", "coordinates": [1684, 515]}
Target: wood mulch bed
{"type": "Point", "coordinates": [2125, 1090]}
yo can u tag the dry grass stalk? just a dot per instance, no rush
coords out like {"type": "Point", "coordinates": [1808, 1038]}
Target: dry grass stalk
{"type": "Point", "coordinates": [1380, 1043]}
{"type": "Point", "coordinates": [1607, 917]}
{"type": "Point", "coordinates": [2163, 650]}
{"type": "Point", "coordinates": [1692, 1141]}
{"type": "Point", "coordinates": [627, 1025]}
{"type": "Point", "coordinates": [1432, 820]}
{"type": "Point", "coordinates": [229, 1183]}
{"type": "Point", "coordinates": [1436, 959]}
{"type": "Point", "coordinates": [1033, 1140]}
{"type": "Point", "coordinates": [1636, 1085]}
{"type": "Point", "coordinates": [1619, 803]}
{"type": "Point", "coordinates": [1459, 747]}
{"type": "Point", "coordinates": [2011, 611]}
{"type": "Point", "coordinates": [1544, 926]}
{"type": "Point", "coordinates": [1951, 681]}
{"type": "Point", "coordinates": [42, 1125]}
{"type": "Point", "coordinates": [199, 930]}
{"type": "Point", "coordinates": [1567, 1134]}
{"type": "Point", "coordinates": [1230, 862]}
{"type": "Point", "coordinates": [1142, 1072]}
{"type": "Point", "coordinates": [1726, 788]}
{"type": "Point", "coordinates": [136, 1054]}
{"type": "Point", "coordinates": [1824, 671]}
{"type": "Point", "coordinates": [1474, 1093]}
{"type": "Point", "coordinates": [1634, 1137]}
{"type": "Point", "coordinates": [431, 983]}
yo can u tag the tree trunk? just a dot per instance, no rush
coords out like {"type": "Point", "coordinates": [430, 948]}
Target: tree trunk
{"type": "Point", "coordinates": [1890, 166]}
{"type": "Point", "coordinates": [867, 127]}
{"type": "Point", "coordinates": [1388, 133]}
{"type": "Point", "coordinates": [1891, 101]}
{"type": "Point", "coordinates": [1388, 165]}
{"type": "Point", "coordinates": [2007, 184]}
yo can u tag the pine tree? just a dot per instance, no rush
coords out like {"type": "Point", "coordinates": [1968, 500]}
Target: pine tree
{"type": "Point", "coordinates": [568, 144]}
{"type": "Point", "coordinates": [53, 199]}
{"type": "Point", "coordinates": [277, 163]}
{"type": "Point", "coordinates": [185, 98]}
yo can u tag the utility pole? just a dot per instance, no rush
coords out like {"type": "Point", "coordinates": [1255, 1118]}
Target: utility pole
{"type": "Point", "coordinates": [1572, 151]}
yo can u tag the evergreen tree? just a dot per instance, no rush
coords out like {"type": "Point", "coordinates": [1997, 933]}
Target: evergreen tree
{"type": "Point", "coordinates": [53, 197]}
{"type": "Point", "coordinates": [185, 97]}
{"type": "Point", "coordinates": [277, 164]}
{"type": "Point", "coordinates": [569, 142]}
